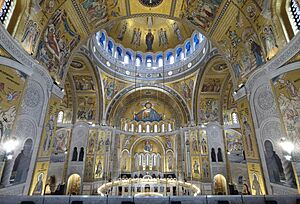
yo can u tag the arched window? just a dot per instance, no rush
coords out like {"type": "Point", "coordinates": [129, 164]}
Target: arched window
{"type": "Point", "coordinates": [170, 58]}
{"type": "Point", "coordinates": [148, 128]}
{"type": "Point", "coordinates": [126, 59]}
{"type": "Point", "coordinates": [235, 118]}
{"type": "Point", "coordinates": [153, 160]}
{"type": "Point", "coordinates": [81, 154]}
{"type": "Point", "coordinates": [196, 41]}
{"type": "Point", "coordinates": [60, 117]}
{"type": "Point", "coordinates": [187, 48]}
{"type": "Point", "coordinates": [119, 53]}
{"type": "Point", "coordinates": [149, 61]}
{"type": "Point", "coordinates": [155, 128]}
{"type": "Point", "coordinates": [132, 128]}
{"type": "Point", "coordinates": [110, 47]}
{"type": "Point", "coordinates": [138, 60]}
{"type": "Point", "coordinates": [179, 54]}
{"type": "Point", "coordinates": [140, 128]}
{"type": "Point", "coordinates": [75, 154]}
{"type": "Point", "coordinates": [163, 128]}
{"type": "Point", "coordinates": [213, 155]}
{"type": "Point", "coordinates": [141, 160]}
{"type": "Point", "coordinates": [102, 39]}
{"type": "Point", "coordinates": [126, 127]}
{"type": "Point", "coordinates": [219, 154]}
{"type": "Point", "coordinates": [147, 159]}
{"type": "Point", "coordinates": [6, 9]}
{"type": "Point", "coordinates": [201, 37]}
{"type": "Point", "coordinates": [160, 61]}
{"type": "Point", "coordinates": [169, 127]}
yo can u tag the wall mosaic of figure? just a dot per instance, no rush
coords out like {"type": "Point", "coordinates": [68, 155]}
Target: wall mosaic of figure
{"type": "Point", "coordinates": [48, 135]}
{"type": "Point", "coordinates": [39, 178]}
{"type": "Point", "coordinates": [247, 127]}
{"type": "Point", "coordinates": [54, 49]}
{"type": "Point", "coordinates": [86, 108]}
{"type": "Point", "coordinates": [287, 91]}
{"type": "Point", "coordinates": [84, 83]}
{"type": "Point", "coordinates": [209, 109]}
{"type": "Point", "coordinates": [66, 105]}
{"type": "Point", "coordinates": [102, 150]}
{"type": "Point", "coordinates": [185, 88]}
{"type": "Point", "coordinates": [111, 87]}
{"type": "Point", "coordinates": [60, 145]}
{"type": "Point", "coordinates": [90, 161]}
{"type": "Point", "coordinates": [197, 156]}
{"type": "Point", "coordinates": [257, 185]}
{"type": "Point", "coordinates": [235, 147]}
{"type": "Point", "coordinates": [11, 89]}
{"type": "Point", "coordinates": [211, 85]}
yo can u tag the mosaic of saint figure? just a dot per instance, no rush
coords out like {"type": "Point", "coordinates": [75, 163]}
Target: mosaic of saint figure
{"type": "Point", "coordinates": [163, 38]}
{"type": "Point", "coordinates": [256, 185]}
{"type": "Point", "coordinates": [149, 40]}
{"type": "Point", "coordinates": [147, 146]}
{"type": "Point", "coordinates": [274, 163]}
{"type": "Point", "coordinates": [148, 114]}
{"type": "Point", "coordinates": [136, 37]}
{"type": "Point", "coordinates": [38, 189]}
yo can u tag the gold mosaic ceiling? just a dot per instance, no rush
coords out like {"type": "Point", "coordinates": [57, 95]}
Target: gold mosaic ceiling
{"type": "Point", "coordinates": [123, 32]}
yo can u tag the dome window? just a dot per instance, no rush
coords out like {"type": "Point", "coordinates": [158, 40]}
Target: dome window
{"type": "Point", "coordinates": [149, 61]}
{"type": "Point", "coordinates": [102, 40]}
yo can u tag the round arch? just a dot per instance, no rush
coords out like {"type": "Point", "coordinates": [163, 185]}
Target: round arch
{"type": "Point", "coordinates": [170, 93]}
{"type": "Point", "coordinates": [74, 185]}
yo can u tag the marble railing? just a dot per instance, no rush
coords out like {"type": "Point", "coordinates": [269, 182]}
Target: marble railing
{"type": "Point", "coordinates": [238, 199]}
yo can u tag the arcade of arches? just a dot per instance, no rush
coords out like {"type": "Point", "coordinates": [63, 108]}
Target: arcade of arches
{"type": "Point", "coordinates": [178, 97]}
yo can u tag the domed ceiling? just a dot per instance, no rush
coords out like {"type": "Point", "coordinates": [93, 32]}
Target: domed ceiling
{"type": "Point", "coordinates": [132, 33]}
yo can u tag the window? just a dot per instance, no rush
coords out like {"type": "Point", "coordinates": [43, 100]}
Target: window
{"type": "Point", "coordinates": [6, 10]}
{"type": "Point", "coordinates": [196, 41]}
{"type": "Point", "coordinates": [160, 62]}
{"type": "Point", "coordinates": [188, 48]}
{"type": "Point", "coordinates": [126, 127]}
{"type": "Point", "coordinates": [149, 62]}
{"type": "Point", "coordinates": [295, 15]}
{"type": "Point", "coordinates": [138, 61]}
{"type": "Point", "coordinates": [102, 39]}
{"type": "Point", "coordinates": [147, 160]}
{"type": "Point", "coordinates": [170, 127]}
{"type": "Point", "coordinates": [60, 117]}
{"type": "Point", "coordinates": [172, 59]}
{"type": "Point", "coordinates": [132, 127]}
{"type": "Point", "coordinates": [163, 128]}
{"type": "Point", "coordinates": [147, 128]}
{"type": "Point", "coordinates": [81, 154]}
{"type": "Point", "coordinates": [235, 118]}
{"type": "Point", "coordinates": [126, 59]}
{"type": "Point", "coordinates": [141, 160]}
{"type": "Point", "coordinates": [140, 128]}
{"type": "Point", "coordinates": [110, 47]}
{"type": "Point", "coordinates": [155, 128]}
{"type": "Point", "coordinates": [154, 160]}
{"type": "Point", "coordinates": [179, 54]}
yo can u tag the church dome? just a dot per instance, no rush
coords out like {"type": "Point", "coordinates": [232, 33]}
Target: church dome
{"type": "Point", "coordinates": [148, 48]}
